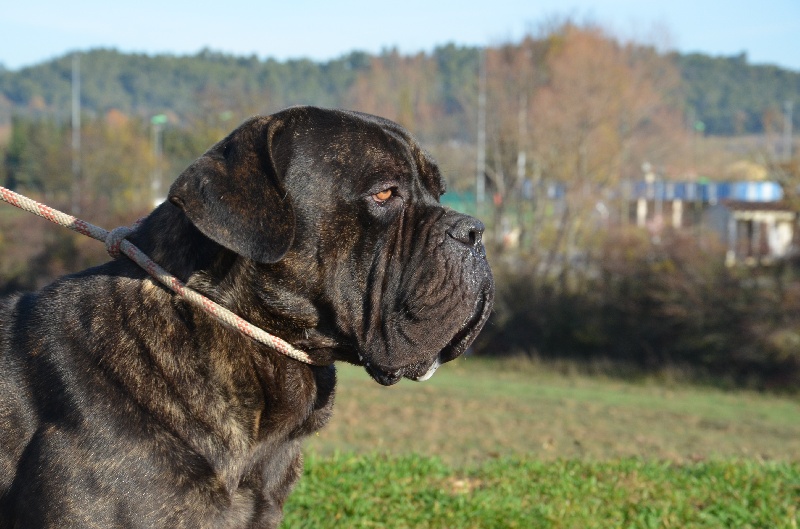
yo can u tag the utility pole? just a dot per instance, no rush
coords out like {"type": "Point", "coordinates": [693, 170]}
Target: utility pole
{"type": "Point", "coordinates": [158, 122]}
{"type": "Point", "coordinates": [480, 170]}
{"type": "Point", "coordinates": [787, 130]}
{"type": "Point", "coordinates": [522, 133]}
{"type": "Point", "coordinates": [76, 134]}
{"type": "Point", "coordinates": [522, 123]}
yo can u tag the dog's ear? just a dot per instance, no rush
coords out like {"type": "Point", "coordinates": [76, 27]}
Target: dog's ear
{"type": "Point", "coordinates": [235, 195]}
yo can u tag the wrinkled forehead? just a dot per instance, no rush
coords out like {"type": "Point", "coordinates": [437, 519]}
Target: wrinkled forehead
{"type": "Point", "coordinates": [370, 146]}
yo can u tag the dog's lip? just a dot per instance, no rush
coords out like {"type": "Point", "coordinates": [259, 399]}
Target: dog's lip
{"type": "Point", "coordinates": [431, 370]}
{"type": "Point", "coordinates": [382, 377]}
{"type": "Point", "coordinates": [459, 342]}
{"type": "Point", "coordinates": [471, 327]}
{"type": "Point", "coordinates": [389, 378]}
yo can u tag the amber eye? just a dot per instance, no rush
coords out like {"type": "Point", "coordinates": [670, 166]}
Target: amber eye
{"type": "Point", "coordinates": [383, 196]}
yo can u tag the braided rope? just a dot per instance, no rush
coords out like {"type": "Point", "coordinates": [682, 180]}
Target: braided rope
{"type": "Point", "coordinates": [116, 244]}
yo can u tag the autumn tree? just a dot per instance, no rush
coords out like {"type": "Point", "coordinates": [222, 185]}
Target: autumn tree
{"type": "Point", "coordinates": [116, 165]}
{"type": "Point", "coordinates": [574, 108]}
{"type": "Point", "coordinates": [513, 75]}
{"type": "Point", "coordinates": [600, 99]}
{"type": "Point", "coordinates": [401, 88]}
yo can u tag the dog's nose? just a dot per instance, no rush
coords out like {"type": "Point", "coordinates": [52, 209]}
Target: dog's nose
{"type": "Point", "coordinates": [467, 230]}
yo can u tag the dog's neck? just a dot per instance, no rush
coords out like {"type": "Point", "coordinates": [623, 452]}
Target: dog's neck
{"type": "Point", "coordinates": [171, 240]}
{"type": "Point", "coordinates": [265, 295]}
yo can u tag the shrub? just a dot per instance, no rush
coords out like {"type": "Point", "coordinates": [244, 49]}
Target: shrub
{"type": "Point", "coordinates": [653, 305]}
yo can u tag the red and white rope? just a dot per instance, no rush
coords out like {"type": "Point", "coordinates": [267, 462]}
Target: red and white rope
{"type": "Point", "coordinates": [116, 244]}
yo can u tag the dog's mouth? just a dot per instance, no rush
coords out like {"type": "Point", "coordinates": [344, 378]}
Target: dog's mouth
{"type": "Point", "coordinates": [383, 377]}
{"type": "Point", "coordinates": [455, 347]}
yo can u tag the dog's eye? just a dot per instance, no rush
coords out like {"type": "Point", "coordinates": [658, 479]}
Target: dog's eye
{"type": "Point", "coordinates": [383, 196]}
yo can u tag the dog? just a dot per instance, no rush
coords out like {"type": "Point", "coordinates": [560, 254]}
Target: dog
{"type": "Point", "coordinates": [123, 406]}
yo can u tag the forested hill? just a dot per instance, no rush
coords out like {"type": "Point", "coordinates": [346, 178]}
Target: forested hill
{"type": "Point", "coordinates": [144, 85]}
{"type": "Point", "coordinates": [728, 95]}
{"type": "Point", "coordinates": [731, 96]}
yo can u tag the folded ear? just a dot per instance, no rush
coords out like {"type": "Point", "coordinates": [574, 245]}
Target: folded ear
{"type": "Point", "coordinates": [235, 195]}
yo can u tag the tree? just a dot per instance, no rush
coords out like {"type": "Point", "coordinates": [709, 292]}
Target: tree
{"type": "Point", "coordinates": [37, 158]}
{"type": "Point", "coordinates": [402, 89]}
{"type": "Point", "coordinates": [117, 165]}
{"type": "Point", "coordinates": [576, 108]}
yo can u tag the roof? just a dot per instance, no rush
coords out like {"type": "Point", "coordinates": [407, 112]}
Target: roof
{"type": "Point", "coordinates": [742, 205]}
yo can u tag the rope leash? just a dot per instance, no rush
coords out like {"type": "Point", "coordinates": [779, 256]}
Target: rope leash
{"type": "Point", "coordinates": [116, 244]}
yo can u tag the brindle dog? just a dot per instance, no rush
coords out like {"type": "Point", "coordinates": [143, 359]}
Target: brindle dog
{"type": "Point", "coordinates": [122, 406]}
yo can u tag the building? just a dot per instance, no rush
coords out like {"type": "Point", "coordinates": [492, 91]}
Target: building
{"type": "Point", "coordinates": [751, 218]}
{"type": "Point", "coordinates": [754, 232]}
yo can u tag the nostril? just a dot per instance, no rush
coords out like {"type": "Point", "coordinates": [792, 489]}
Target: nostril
{"type": "Point", "coordinates": [474, 238]}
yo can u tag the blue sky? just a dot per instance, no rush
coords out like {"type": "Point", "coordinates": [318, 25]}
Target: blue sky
{"type": "Point", "coordinates": [35, 31]}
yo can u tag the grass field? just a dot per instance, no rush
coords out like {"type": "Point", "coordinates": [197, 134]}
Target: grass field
{"type": "Point", "coordinates": [499, 444]}
{"type": "Point", "coordinates": [520, 492]}
{"type": "Point", "coordinates": [473, 409]}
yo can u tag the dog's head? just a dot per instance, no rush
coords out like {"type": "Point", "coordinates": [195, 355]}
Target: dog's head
{"type": "Point", "coordinates": [351, 256]}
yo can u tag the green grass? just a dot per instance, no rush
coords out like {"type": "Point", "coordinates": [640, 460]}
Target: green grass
{"type": "Point", "coordinates": [472, 410]}
{"type": "Point", "coordinates": [422, 492]}
{"type": "Point", "coordinates": [515, 444]}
